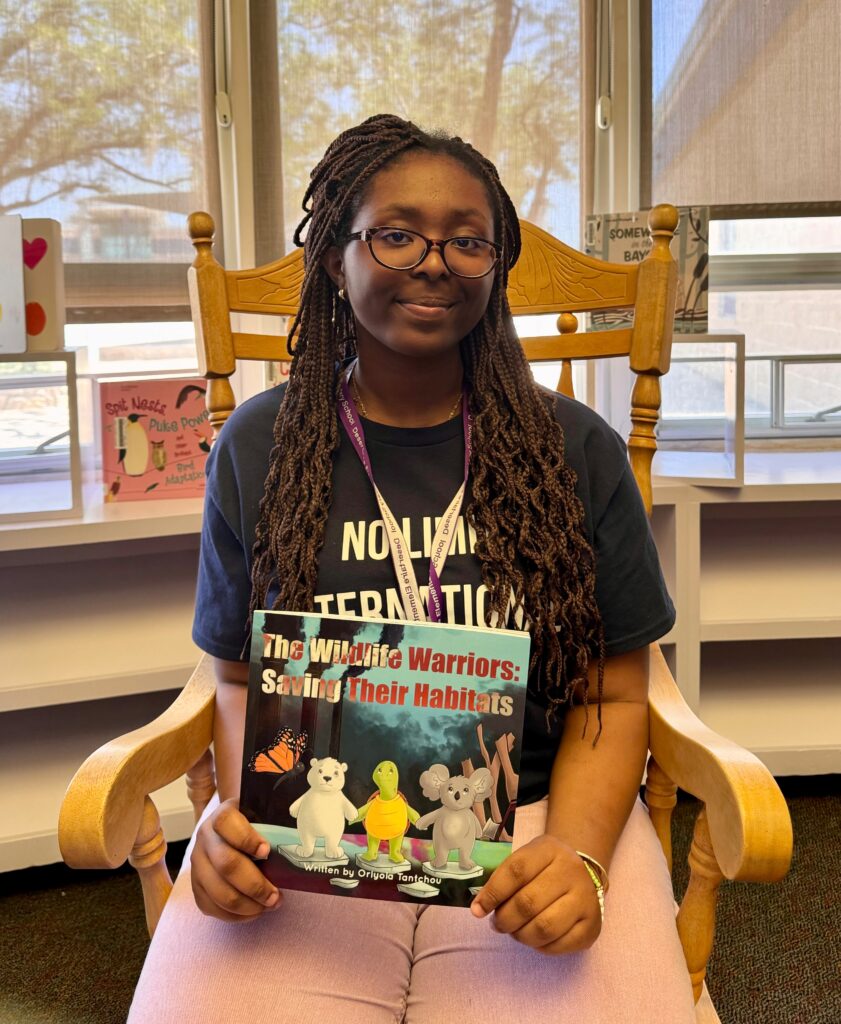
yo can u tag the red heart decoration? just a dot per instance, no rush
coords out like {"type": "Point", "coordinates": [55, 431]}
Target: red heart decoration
{"type": "Point", "coordinates": [34, 251]}
{"type": "Point", "coordinates": [36, 318]}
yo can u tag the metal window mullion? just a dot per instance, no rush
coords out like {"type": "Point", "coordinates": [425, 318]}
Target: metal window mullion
{"type": "Point", "coordinates": [35, 381]}
{"type": "Point", "coordinates": [671, 426]}
{"type": "Point", "coordinates": [616, 165]}
{"type": "Point", "coordinates": [761, 271]}
{"type": "Point", "coordinates": [777, 393]}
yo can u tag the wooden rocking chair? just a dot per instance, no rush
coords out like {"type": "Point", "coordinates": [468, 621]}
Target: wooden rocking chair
{"type": "Point", "coordinates": [743, 831]}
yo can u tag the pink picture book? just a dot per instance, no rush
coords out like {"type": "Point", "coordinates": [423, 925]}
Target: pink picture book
{"type": "Point", "coordinates": [155, 438]}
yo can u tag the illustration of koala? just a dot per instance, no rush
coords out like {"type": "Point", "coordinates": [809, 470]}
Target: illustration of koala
{"type": "Point", "coordinates": [455, 826]}
{"type": "Point", "coordinates": [321, 812]}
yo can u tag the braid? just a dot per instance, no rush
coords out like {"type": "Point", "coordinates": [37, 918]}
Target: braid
{"type": "Point", "coordinates": [528, 519]}
{"type": "Point", "coordinates": [298, 489]}
{"type": "Point", "coordinates": [529, 522]}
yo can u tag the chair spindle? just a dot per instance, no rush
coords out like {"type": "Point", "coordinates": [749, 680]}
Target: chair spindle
{"type": "Point", "coordinates": [567, 324]}
{"type": "Point", "coordinates": [642, 444]}
{"type": "Point", "coordinates": [660, 798]}
{"type": "Point", "coordinates": [211, 320]}
{"type": "Point", "coordinates": [147, 858]}
{"type": "Point", "coordinates": [696, 917]}
{"type": "Point", "coordinates": [201, 783]}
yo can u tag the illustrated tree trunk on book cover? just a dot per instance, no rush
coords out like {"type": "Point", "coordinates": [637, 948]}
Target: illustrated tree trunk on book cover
{"type": "Point", "coordinates": [336, 711]}
{"type": "Point", "coordinates": [495, 826]}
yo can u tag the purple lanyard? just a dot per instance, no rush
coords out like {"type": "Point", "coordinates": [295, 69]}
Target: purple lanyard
{"type": "Point", "coordinates": [400, 556]}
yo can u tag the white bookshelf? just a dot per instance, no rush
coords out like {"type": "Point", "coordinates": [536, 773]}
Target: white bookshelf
{"type": "Point", "coordinates": [755, 559]}
{"type": "Point", "coordinates": [780, 698]}
{"type": "Point", "coordinates": [97, 623]}
{"type": "Point", "coordinates": [41, 749]}
{"type": "Point", "coordinates": [755, 573]}
{"type": "Point", "coordinates": [96, 614]}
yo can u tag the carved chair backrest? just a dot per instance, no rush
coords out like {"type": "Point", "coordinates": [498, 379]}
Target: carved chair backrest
{"type": "Point", "coordinates": [549, 277]}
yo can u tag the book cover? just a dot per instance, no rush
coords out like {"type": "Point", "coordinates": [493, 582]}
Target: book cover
{"type": "Point", "coordinates": [624, 238]}
{"type": "Point", "coordinates": [381, 757]}
{"type": "Point", "coordinates": [12, 307]}
{"type": "Point", "coordinates": [43, 285]}
{"type": "Point", "coordinates": [155, 437]}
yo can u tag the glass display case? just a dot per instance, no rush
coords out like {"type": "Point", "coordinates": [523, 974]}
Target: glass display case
{"type": "Point", "coordinates": [40, 462]}
{"type": "Point", "coordinates": [701, 433]}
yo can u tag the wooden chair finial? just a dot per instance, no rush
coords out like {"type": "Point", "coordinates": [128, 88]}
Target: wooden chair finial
{"type": "Point", "coordinates": [663, 219]}
{"type": "Point", "coordinates": [662, 224]}
{"type": "Point", "coordinates": [201, 229]}
{"type": "Point", "coordinates": [567, 323]}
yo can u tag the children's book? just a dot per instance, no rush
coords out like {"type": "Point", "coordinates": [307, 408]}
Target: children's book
{"type": "Point", "coordinates": [624, 238]}
{"type": "Point", "coordinates": [12, 305]}
{"type": "Point", "coordinates": [381, 757]}
{"type": "Point", "coordinates": [43, 285]}
{"type": "Point", "coordinates": [155, 437]}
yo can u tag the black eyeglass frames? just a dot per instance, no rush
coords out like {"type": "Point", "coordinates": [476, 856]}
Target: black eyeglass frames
{"type": "Point", "coordinates": [402, 249]}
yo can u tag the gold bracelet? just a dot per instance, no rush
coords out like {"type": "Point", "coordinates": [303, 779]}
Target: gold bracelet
{"type": "Point", "coordinates": [598, 876]}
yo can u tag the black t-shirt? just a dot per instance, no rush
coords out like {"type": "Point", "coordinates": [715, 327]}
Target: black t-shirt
{"type": "Point", "coordinates": [418, 470]}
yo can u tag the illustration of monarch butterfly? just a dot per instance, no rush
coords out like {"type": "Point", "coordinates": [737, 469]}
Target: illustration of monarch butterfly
{"type": "Point", "coordinates": [282, 755]}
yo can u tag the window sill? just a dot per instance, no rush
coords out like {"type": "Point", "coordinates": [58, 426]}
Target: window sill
{"type": "Point", "coordinates": [768, 476]}
{"type": "Point", "coordinates": [101, 523]}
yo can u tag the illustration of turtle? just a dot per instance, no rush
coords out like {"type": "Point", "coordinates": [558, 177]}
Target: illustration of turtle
{"type": "Point", "coordinates": [387, 814]}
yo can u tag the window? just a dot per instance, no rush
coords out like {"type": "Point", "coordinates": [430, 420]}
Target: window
{"type": "Point", "coordinates": [790, 317]}
{"type": "Point", "coordinates": [102, 133]}
{"type": "Point", "coordinates": [736, 117]}
{"type": "Point", "coordinates": [739, 108]}
{"type": "Point", "coordinates": [507, 80]}
{"type": "Point", "coordinates": [768, 285]}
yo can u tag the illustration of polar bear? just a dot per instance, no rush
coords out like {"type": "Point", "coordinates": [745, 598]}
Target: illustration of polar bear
{"type": "Point", "coordinates": [321, 811]}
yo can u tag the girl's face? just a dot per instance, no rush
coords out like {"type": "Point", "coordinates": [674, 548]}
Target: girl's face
{"type": "Point", "coordinates": [427, 310]}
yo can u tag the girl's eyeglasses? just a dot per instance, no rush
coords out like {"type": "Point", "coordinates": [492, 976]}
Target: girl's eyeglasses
{"type": "Point", "coordinates": [401, 249]}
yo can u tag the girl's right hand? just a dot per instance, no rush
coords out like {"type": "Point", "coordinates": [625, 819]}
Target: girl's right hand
{"type": "Point", "coordinates": [226, 882]}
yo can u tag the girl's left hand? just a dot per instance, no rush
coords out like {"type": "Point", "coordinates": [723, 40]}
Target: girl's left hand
{"type": "Point", "coordinates": [543, 896]}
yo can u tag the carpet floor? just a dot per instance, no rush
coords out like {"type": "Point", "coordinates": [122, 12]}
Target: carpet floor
{"type": "Point", "coordinates": [72, 943]}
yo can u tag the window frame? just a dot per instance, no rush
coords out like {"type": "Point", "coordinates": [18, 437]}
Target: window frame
{"type": "Point", "coordinates": [625, 64]}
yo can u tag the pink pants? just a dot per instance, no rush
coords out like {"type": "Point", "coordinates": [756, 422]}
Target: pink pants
{"type": "Point", "coordinates": [319, 960]}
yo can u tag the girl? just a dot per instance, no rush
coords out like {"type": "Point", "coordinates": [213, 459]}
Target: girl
{"type": "Point", "coordinates": [403, 311]}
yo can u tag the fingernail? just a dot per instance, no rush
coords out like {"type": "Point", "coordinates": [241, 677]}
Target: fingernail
{"type": "Point", "coordinates": [477, 910]}
{"type": "Point", "coordinates": [262, 851]}
{"type": "Point", "coordinates": [272, 900]}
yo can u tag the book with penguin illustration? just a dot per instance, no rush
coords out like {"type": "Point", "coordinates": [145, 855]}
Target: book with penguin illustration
{"type": "Point", "coordinates": [155, 437]}
{"type": "Point", "coordinates": [381, 757]}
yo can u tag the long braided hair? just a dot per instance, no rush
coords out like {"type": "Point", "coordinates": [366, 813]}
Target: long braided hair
{"type": "Point", "coordinates": [529, 522]}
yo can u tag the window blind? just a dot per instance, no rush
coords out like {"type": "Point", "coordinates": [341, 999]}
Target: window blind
{"type": "Point", "coordinates": [743, 106]}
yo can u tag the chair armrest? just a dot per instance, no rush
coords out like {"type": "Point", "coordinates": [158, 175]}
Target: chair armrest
{"type": "Point", "coordinates": [102, 809]}
{"type": "Point", "coordinates": [749, 823]}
